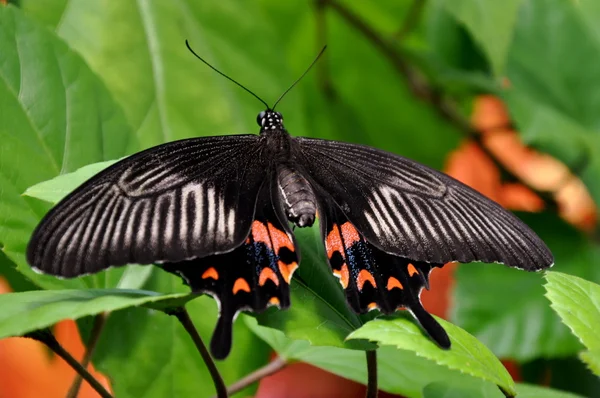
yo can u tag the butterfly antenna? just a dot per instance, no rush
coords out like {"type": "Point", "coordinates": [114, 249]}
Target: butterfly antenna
{"type": "Point", "coordinates": [225, 76]}
{"type": "Point", "coordinates": [300, 78]}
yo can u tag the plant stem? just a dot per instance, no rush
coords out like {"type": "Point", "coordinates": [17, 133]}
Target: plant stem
{"type": "Point", "coordinates": [46, 337]}
{"type": "Point", "coordinates": [423, 91]}
{"type": "Point", "coordinates": [371, 374]}
{"type": "Point", "coordinates": [99, 322]}
{"type": "Point", "coordinates": [323, 76]}
{"type": "Point", "coordinates": [410, 21]}
{"type": "Point", "coordinates": [184, 318]}
{"type": "Point", "coordinates": [272, 367]}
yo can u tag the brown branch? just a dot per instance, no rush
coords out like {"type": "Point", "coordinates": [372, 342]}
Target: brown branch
{"type": "Point", "coordinates": [410, 21]}
{"type": "Point", "coordinates": [272, 367]}
{"type": "Point", "coordinates": [99, 322]}
{"type": "Point", "coordinates": [426, 93]}
{"type": "Point", "coordinates": [46, 337]}
{"type": "Point", "coordinates": [184, 318]}
{"type": "Point", "coordinates": [371, 374]}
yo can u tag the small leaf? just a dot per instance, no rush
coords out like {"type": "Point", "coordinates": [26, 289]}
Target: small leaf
{"type": "Point", "coordinates": [533, 391]}
{"type": "Point", "coordinates": [28, 311]}
{"type": "Point", "coordinates": [55, 189]}
{"type": "Point", "coordinates": [592, 360]}
{"type": "Point", "coordinates": [577, 302]}
{"type": "Point", "coordinates": [467, 354]}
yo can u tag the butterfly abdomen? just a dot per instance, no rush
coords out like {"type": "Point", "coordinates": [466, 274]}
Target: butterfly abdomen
{"type": "Point", "coordinates": [298, 197]}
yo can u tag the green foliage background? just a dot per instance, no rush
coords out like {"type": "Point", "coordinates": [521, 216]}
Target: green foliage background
{"type": "Point", "coordinates": [87, 81]}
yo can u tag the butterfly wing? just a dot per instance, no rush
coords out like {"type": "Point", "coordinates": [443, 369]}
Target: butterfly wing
{"type": "Point", "coordinates": [252, 277]}
{"type": "Point", "coordinates": [412, 211]}
{"type": "Point", "coordinates": [181, 200]}
{"type": "Point", "coordinates": [371, 278]}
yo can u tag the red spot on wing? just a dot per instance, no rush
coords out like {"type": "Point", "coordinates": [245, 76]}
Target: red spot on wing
{"type": "Point", "coordinates": [333, 242]}
{"type": "Point", "coordinates": [265, 275]}
{"type": "Point", "coordinates": [412, 270]}
{"type": "Point", "coordinates": [211, 273]}
{"type": "Point", "coordinates": [287, 270]}
{"type": "Point", "coordinates": [280, 239]}
{"type": "Point", "coordinates": [349, 234]}
{"type": "Point", "coordinates": [363, 277]}
{"type": "Point", "coordinates": [240, 284]}
{"type": "Point", "coordinates": [261, 234]}
{"type": "Point", "coordinates": [343, 274]}
{"type": "Point", "coordinates": [393, 282]}
{"type": "Point", "coordinates": [372, 306]}
{"type": "Point", "coordinates": [274, 301]}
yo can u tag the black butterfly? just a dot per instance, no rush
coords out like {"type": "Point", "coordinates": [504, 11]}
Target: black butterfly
{"type": "Point", "coordinates": [217, 212]}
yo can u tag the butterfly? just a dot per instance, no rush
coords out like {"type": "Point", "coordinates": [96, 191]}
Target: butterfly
{"type": "Point", "coordinates": [218, 212]}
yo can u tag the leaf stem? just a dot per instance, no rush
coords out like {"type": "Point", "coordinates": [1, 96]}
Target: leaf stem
{"type": "Point", "coordinates": [371, 374]}
{"type": "Point", "coordinates": [185, 320]}
{"type": "Point", "coordinates": [410, 21]}
{"type": "Point", "coordinates": [46, 337]}
{"type": "Point", "coordinates": [422, 90]}
{"type": "Point", "coordinates": [99, 322]}
{"type": "Point", "coordinates": [272, 367]}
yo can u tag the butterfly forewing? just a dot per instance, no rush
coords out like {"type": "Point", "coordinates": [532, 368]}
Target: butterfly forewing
{"type": "Point", "coordinates": [412, 211]}
{"type": "Point", "coordinates": [173, 202]}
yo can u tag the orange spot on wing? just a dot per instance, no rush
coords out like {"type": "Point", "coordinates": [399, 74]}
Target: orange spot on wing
{"type": "Point", "coordinates": [412, 270]}
{"type": "Point", "coordinates": [393, 282]}
{"type": "Point", "coordinates": [343, 274]}
{"type": "Point", "coordinates": [241, 284]}
{"type": "Point", "coordinates": [261, 234]}
{"type": "Point", "coordinates": [372, 306]}
{"type": "Point", "coordinates": [211, 273]}
{"type": "Point", "coordinates": [363, 277]}
{"type": "Point", "coordinates": [333, 242]}
{"type": "Point", "coordinates": [266, 274]}
{"type": "Point", "coordinates": [274, 301]}
{"type": "Point", "coordinates": [280, 239]}
{"type": "Point", "coordinates": [350, 234]}
{"type": "Point", "coordinates": [287, 270]}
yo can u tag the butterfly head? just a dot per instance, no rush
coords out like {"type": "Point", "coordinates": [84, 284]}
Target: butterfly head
{"type": "Point", "coordinates": [270, 120]}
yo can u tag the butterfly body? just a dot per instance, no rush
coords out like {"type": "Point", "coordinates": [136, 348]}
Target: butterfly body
{"type": "Point", "coordinates": [217, 212]}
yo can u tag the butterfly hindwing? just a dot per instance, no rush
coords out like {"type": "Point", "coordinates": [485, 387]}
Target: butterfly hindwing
{"type": "Point", "coordinates": [181, 200]}
{"type": "Point", "coordinates": [252, 277]}
{"type": "Point", "coordinates": [371, 278]}
{"type": "Point", "coordinates": [410, 210]}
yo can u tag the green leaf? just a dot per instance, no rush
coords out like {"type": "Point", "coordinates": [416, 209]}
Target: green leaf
{"type": "Point", "coordinates": [28, 311]}
{"type": "Point", "coordinates": [592, 360]}
{"type": "Point", "coordinates": [491, 23]}
{"type": "Point", "coordinates": [552, 93]}
{"type": "Point", "coordinates": [55, 189]}
{"type": "Point", "coordinates": [533, 391]}
{"type": "Point", "coordinates": [399, 371]}
{"type": "Point", "coordinates": [577, 302]}
{"type": "Point", "coordinates": [467, 354]}
{"type": "Point", "coordinates": [148, 354]}
{"type": "Point", "coordinates": [506, 308]}
{"type": "Point", "coordinates": [61, 117]}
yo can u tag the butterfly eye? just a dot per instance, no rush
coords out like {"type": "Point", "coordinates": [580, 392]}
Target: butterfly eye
{"type": "Point", "coordinates": [260, 118]}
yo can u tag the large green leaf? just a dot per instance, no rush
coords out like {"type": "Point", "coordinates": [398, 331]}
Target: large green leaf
{"type": "Point", "coordinates": [552, 94]}
{"type": "Point", "coordinates": [399, 371]}
{"type": "Point", "coordinates": [491, 23]}
{"type": "Point", "coordinates": [506, 308]}
{"type": "Point", "coordinates": [55, 116]}
{"type": "Point", "coordinates": [577, 302]}
{"type": "Point", "coordinates": [467, 354]}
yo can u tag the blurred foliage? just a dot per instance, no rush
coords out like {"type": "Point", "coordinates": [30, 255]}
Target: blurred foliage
{"type": "Point", "coordinates": [86, 81]}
